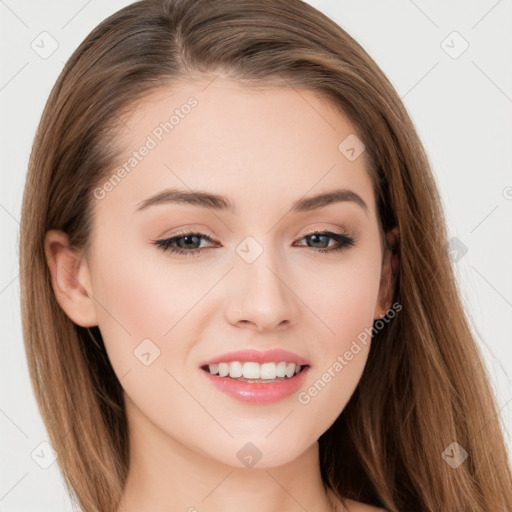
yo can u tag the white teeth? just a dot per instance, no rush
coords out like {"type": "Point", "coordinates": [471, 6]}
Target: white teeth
{"type": "Point", "coordinates": [223, 369]}
{"type": "Point", "coordinates": [251, 370]}
{"type": "Point", "coordinates": [281, 369]}
{"type": "Point", "coordinates": [268, 370]}
{"type": "Point", "coordinates": [290, 369]}
{"type": "Point", "coordinates": [235, 369]}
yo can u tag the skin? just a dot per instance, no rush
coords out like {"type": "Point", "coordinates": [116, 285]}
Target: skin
{"type": "Point", "coordinates": [264, 148]}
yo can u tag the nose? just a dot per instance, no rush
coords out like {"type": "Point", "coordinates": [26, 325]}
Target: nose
{"type": "Point", "coordinates": [261, 295]}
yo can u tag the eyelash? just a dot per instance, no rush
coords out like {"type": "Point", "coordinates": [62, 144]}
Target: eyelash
{"type": "Point", "coordinates": [344, 241]}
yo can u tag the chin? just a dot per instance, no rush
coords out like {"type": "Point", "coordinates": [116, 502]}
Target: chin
{"type": "Point", "coordinates": [261, 452]}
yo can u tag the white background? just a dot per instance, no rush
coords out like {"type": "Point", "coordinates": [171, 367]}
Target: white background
{"type": "Point", "coordinates": [462, 108]}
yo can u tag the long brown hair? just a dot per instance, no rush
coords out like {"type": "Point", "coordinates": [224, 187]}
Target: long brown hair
{"type": "Point", "coordinates": [424, 385]}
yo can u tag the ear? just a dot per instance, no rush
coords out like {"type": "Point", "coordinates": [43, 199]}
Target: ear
{"type": "Point", "coordinates": [388, 274]}
{"type": "Point", "coordinates": [71, 280]}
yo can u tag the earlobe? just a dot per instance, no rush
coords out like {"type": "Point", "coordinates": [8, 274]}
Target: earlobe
{"type": "Point", "coordinates": [70, 278]}
{"type": "Point", "coordinates": [388, 275]}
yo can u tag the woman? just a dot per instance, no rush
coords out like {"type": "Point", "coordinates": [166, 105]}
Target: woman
{"type": "Point", "coordinates": [200, 166]}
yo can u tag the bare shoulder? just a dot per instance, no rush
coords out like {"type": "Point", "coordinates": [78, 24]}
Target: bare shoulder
{"type": "Point", "coordinates": [358, 506]}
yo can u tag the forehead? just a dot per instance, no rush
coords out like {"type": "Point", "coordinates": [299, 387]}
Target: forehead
{"type": "Point", "coordinates": [251, 143]}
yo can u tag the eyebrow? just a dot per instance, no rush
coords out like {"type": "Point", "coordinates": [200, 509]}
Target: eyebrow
{"type": "Point", "coordinates": [220, 202]}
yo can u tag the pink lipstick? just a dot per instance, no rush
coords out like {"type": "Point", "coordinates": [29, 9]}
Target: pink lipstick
{"type": "Point", "coordinates": [256, 376]}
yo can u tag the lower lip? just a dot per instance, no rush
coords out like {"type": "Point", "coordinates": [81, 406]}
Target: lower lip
{"type": "Point", "coordinates": [255, 392]}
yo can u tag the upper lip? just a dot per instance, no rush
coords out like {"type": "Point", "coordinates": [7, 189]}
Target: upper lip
{"type": "Point", "coordinates": [258, 356]}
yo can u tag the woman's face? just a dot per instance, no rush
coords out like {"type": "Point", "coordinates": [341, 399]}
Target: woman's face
{"type": "Point", "coordinates": [260, 280]}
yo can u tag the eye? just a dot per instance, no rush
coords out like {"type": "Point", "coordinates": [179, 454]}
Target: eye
{"type": "Point", "coordinates": [344, 241]}
{"type": "Point", "coordinates": [189, 244]}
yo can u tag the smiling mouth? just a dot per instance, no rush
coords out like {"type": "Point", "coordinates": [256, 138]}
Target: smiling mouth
{"type": "Point", "coordinates": [252, 372]}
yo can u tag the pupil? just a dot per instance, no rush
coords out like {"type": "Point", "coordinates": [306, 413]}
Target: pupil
{"type": "Point", "coordinates": [316, 237]}
{"type": "Point", "coordinates": [189, 237]}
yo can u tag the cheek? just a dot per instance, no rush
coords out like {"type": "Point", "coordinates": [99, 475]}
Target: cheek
{"type": "Point", "coordinates": [343, 299]}
{"type": "Point", "coordinates": [346, 308]}
{"type": "Point", "coordinates": [134, 303]}
{"type": "Point", "coordinates": [142, 303]}
{"type": "Point", "coordinates": [138, 286]}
